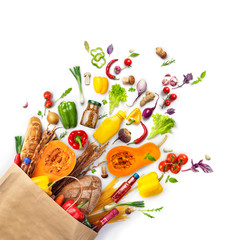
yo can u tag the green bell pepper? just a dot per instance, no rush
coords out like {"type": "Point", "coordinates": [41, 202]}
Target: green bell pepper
{"type": "Point", "coordinates": [68, 114]}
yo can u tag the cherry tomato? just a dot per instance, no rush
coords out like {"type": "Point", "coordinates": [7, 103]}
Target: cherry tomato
{"type": "Point", "coordinates": [175, 168]}
{"type": "Point", "coordinates": [167, 102]}
{"type": "Point", "coordinates": [173, 97]}
{"type": "Point", "coordinates": [182, 159]}
{"type": "Point", "coordinates": [47, 95]}
{"type": "Point", "coordinates": [171, 158]}
{"type": "Point", "coordinates": [48, 104]}
{"type": "Point", "coordinates": [128, 62]}
{"type": "Point", "coordinates": [164, 166]}
{"type": "Point", "coordinates": [166, 90]}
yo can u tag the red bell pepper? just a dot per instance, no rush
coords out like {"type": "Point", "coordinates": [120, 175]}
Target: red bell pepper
{"type": "Point", "coordinates": [74, 211]}
{"type": "Point", "coordinates": [77, 139]}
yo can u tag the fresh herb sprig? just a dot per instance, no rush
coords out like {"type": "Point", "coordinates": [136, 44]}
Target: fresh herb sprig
{"type": "Point", "coordinates": [104, 101]}
{"type": "Point", "coordinates": [134, 55]}
{"type": "Point", "coordinates": [40, 113]}
{"type": "Point", "coordinates": [131, 89]}
{"type": "Point", "coordinates": [64, 94]}
{"type": "Point", "coordinates": [102, 116]}
{"type": "Point", "coordinates": [199, 79]}
{"type": "Point", "coordinates": [145, 212]}
{"type": "Point", "coordinates": [171, 179]}
{"type": "Point", "coordinates": [166, 63]}
{"type": "Point", "coordinates": [63, 134]}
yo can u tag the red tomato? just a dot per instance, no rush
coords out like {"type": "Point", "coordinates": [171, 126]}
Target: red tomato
{"type": "Point", "coordinates": [167, 102]}
{"type": "Point", "coordinates": [175, 168]}
{"type": "Point", "coordinates": [171, 158]}
{"type": "Point", "coordinates": [173, 97]}
{"type": "Point", "coordinates": [182, 159]}
{"type": "Point", "coordinates": [48, 104]}
{"type": "Point", "coordinates": [47, 95]}
{"type": "Point", "coordinates": [166, 90]}
{"type": "Point", "coordinates": [128, 62]}
{"type": "Point", "coordinates": [164, 166]}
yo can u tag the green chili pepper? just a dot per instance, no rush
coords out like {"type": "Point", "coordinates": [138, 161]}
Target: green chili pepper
{"type": "Point", "coordinates": [68, 114]}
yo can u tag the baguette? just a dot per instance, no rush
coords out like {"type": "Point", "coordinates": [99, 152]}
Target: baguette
{"type": "Point", "coordinates": [32, 138]}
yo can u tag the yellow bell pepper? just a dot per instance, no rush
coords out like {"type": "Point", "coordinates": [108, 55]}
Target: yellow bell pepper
{"type": "Point", "coordinates": [134, 117]}
{"type": "Point", "coordinates": [149, 185]}
{"type": "Point", "coordinates": [43, 182]}
{"type": "Point", "coordinates": [100, 84]}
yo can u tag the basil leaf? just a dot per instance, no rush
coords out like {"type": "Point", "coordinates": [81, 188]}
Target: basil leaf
{"type": "Point", "coordinates": [172, 180]}
{"type": "Point", "coordinates": [167, 178]}
{"type": "Point", "coordinates": [203, 74]}
{"type": "Point", "coordinates": [134, 55]}
{"type": "Point", "coordinates": [151, 158]}
{"type": "Point", "coordinates": [146, 155]}
{"type": "Point", "coordinates": [110, 49]}
{"type": "Point", "coordinates": [86, 45]}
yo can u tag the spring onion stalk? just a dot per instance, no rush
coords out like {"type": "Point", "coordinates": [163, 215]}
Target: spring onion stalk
{"type": "Point", "coordinates": [134, 204]}
{"type": "Point", "coordinates": [77, 75]}
{"type": "Point", "coordinates": [18, 143]}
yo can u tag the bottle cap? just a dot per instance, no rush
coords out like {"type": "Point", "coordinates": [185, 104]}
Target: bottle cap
{"type": "Point", "coordinates": [94, 102]}
{"type": "Point", "coordinates": [136, 175]}
{"type": "Point", "coordinates": [26, 160]}
{"type": "Point", "coordinates": [122, 114]}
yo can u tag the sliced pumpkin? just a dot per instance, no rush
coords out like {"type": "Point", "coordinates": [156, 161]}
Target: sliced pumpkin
{"type": "Point", "coordinates": [123, 160]}
{"type": "Point", "coordinates": [56, 160]}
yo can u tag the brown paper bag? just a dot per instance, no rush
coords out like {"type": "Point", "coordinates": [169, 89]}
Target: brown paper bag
{"type": "Point", "coordinates": [26, 212]}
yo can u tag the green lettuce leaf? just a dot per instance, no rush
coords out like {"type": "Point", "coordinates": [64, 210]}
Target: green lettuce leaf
{"type": "Point", "coordinates": [162, 124]}
{"type": "Point", "coordinates": [117, 94]}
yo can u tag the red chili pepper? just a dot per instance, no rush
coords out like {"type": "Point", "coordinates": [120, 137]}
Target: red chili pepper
{"type": "Point", "coordinates": [74, 211]}
{"type": "Point", "coordinates": [17, 159]}
{"type": "Point", "coordinates": [108, 69]}
{"type": "Point", "coordinates": [142, 137]}
{"type": "Point", "coordinates": [77, 139]}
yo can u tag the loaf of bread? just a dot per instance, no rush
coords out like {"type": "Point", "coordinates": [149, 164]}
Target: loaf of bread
{"type": "Point", "coordinates": [92, 188]}
{"type": "Point", "coordinates": [32, 138]}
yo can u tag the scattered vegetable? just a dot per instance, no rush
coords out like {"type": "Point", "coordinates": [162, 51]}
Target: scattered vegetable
{"type": "Point", "coordinates": [131, 89]}
{"type": "Point", "coordinates": [170, 111]}
{"type": "Point", "coordinates": [26, 105]}
{"type": "Point", "coordinates": [128, 62]}
{"type": "Point", "coordinates": [173, 81]}
{"type": "Point", "coordinates": [162, 125]}
{"type": "Point", "coordinates": [76, 73]}
{"type": "Point", "coordinates": [150, 210]}
{"type": "Point", "coordinates": [130, 80]}
{"type": "Point", "coordinates": [168, 62]}
{"type": "Point", "coordinates": [187, 79]}
{"type": "Point", "coordinates": [171, 158]}
{"type": "Point", "coordinates": [134, 204]}
{"type": "Point", "coordinates": [100, 84]}
{"type": "Point", "coordinates": [123, 135]}
{"type": "Point", "coordinates": [148, 111]}
{"type": "Point", "coordinates": [171, 179]}
{"type": "Point", "coordinates": [98, 59]}
{"type": "Point", "coordinates": [166, 90]}
{"type": "Point", "coordinates": [63, 134]}
{"type": "Point", "coordinates": [64, 94]}
{"type": "Point", "coordinates": [77, 139]}
{"type": "Point", "coordinates": [160, 52]}
{"type": "Point", "coordinates": [18, 143]}
{"type": "Point", "coordinates": [207, 157]}
{"type": "Point", "coordinates": [17, 159]}
{"type": "Point", "coordinates": [175, 168]}
{"type": "Point", "coordinates": [149, 96]}
{"type": "Point", "coordinates": [104, 171]}
{"type": "Point", "coordinates": [87, 76]}
{"type": "Point", "coordinates": [182, 159]}
{"type": "Point", "coordinates": [40, 113]}
{"type": "Point", "coordinates": [199, 79]}
{"type": "Point", "coordinates": [47, 95]}
{"type": "Point", "coordinates": [204, 167]}
{"type": "Point", "coordinates": [165, 81]}
{"type": "Point", "coordinates": [60, 199]}
{"type": "Point", "coordinates": [93, 170]}
{"type": "Point", "coordinates": [117, 69]}
{"type": "Point", "coordinates": [68, 114]}
{"type": "Point", "coordinates": [86, 45]}
{"type": "Point", "coordinates": [167, 150]}
{"type": "Point", "coordinates": [48, 104]}
{"type": "Point", "coordinates": [52, 117]}
{"type": "Point", "coordinates": [117, 94]}
{"type": "Point", "coordinates": [108, 69]}
{"type": "Point", "coordinates": [164, 166]}
{"type": "Point", "coordinates": [134, 117]}
{"type": "Point", "coordinates": [43, 182]}
{"type": "Point", "coordinates": [104, 101]}
{"type": "Point", "coordinates": [129, 210]}
{"type": "Point", "coordinates": [110, 49]}
{"type": "Point", "coordinates": [142, 137]}
{"type": "Point", "coordinates": [141, 87]}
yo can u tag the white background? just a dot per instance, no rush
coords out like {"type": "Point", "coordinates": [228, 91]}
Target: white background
{"type": "Point", "coordinates": [41, 40]}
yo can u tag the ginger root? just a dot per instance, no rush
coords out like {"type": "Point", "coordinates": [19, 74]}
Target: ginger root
{"type": "Point", "coordinates": [149, 96]}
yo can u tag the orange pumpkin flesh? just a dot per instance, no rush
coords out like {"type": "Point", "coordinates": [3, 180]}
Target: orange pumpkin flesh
{"type": "Point", "coordinates": [123, 160]}
{"type": "Point", "coordinates": [56, 160]}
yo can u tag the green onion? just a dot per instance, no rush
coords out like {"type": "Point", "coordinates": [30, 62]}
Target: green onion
{"type": "Point", "coordinates": [18, 143]}
{"type": "Point", "coordinates": [134, 204]}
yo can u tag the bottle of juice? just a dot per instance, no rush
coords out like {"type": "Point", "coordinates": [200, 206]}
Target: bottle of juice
{"type": "Point", "coordinates": [109, 127]}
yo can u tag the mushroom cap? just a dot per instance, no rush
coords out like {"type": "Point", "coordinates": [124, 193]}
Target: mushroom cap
{"type": "Point", "coordinates": [87, 74]}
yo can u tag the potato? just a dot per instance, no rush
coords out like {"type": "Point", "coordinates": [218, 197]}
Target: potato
{"type": "Point", "coordinates": [92, 188]}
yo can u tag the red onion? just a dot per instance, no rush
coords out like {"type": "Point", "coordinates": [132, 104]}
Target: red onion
{"type": "Point", "coordinates": [148, 111]}
{"type": "Point", "coordinates": [141, 87]}
{"type": "Point", "coordinates": [173, 81]}
{"type": "Point", "coordinates": [117, 69]}
{"type": "Point", "coordinates": [165, 81]}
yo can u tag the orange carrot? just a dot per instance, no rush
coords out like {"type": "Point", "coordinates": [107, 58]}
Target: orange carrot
{"type": "Point", "coordinates": [60, 199]}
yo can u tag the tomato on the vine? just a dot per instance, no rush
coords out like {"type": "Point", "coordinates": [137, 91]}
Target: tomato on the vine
{"type": "Point", "coordinates": [175, 168]}
{"type": "Point", "coordinates": [166, 90]}
{"type": "Point", "coordinates": [47, 95]}
{"type": "Point", "coordinates": [48, 104]}
{"type": "Point", "coordinates": [164, 166]}
{"type": "Point", "coordinates": [127, 62]}
{"type": "Point", "coordinates": [182, 159]}
{"type": "Point", "coordinates": [171, 158]}
{"type": "Point", "coordinates": [167, 102]}
{"type": "Point", "coordinates": [173, 96]}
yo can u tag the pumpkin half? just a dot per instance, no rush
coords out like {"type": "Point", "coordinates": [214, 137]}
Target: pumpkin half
{"type": "Point", "coordinates": [55, 160]}
{"type": "Point", "coordinates": [123, 160]}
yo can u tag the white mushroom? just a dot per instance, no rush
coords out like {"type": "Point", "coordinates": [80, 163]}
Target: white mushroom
{"type": "Point", "coordinates": [87, 76]}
